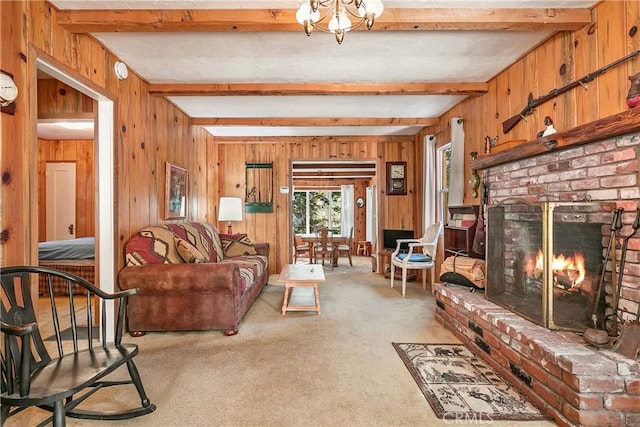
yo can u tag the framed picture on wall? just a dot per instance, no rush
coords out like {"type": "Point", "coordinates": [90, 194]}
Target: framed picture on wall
{"type": "Point", "coordinates": [176, 192]}
{"type": "Point", "coordinates": [396, 178]}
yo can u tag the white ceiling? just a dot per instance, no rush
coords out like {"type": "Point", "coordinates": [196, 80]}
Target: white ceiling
{"type": "Point", "coordinates": [292, 57]}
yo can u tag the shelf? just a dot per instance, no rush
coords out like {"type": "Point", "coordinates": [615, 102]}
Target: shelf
{"type": "Point", "coordinates": [608, 127]}
{"type": "Point", "coordinates": [460, 239]}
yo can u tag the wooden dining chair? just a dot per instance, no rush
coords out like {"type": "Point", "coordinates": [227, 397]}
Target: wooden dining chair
{"type": "Point", "coordinates": [300, 248]}
{"type": "Point", "coordinates": [344, 249]}
{"type": "Point", "coordinates": [325, 248]}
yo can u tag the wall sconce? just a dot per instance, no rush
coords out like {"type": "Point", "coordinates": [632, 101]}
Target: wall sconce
{"type": "Point", "coordinates": [230, 209]}
{"type": "Point", "coordinates": [474, 179]}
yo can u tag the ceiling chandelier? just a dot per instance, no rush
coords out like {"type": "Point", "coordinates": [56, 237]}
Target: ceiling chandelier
{"type": "Point", "coordinates": [338, 16]}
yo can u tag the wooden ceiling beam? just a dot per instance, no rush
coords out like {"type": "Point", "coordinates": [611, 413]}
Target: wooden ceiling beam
{"type": "Point", "coordinates": [314, 121]}
{"type": "Point", "coordinates": [312, 139]}
{"type": "Point", "coordinates": [302, 89]}
{"type": "Point", "coordinates": [331, 174]}
{"type": "Point", "coordinates": [261, 20]}
{"type": "Point", "coordinates": [296, 167]}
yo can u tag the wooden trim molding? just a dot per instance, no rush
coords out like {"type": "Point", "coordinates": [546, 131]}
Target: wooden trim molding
{"type": "Point", "coordinates": [608, 127]}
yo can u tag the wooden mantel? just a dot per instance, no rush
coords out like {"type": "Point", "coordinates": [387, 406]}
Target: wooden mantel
{"type": "Point", "coordinates": [608, 127]}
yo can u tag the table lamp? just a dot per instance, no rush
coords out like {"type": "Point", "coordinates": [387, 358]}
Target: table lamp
{"type": "Point", "coordinates": [230, 209]}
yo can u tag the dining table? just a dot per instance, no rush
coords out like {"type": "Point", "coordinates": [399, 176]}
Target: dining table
{"type": "Point", "coordinates": [314, 239]}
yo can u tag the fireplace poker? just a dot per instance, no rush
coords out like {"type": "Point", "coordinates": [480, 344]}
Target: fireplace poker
{"type": "Point", "coordinates": [625, 242]}
{"type": "Point", "coordinates": [616, 224]}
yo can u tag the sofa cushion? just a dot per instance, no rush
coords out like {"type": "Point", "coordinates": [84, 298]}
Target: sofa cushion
{"type": "Point", "coordinates": [251, 268]}
{"type": "Point", "coordinates": [152, 245]}
{"type": "Point", "coordinates": [236, 245]}
{"type": "Point", "coordinates": [188, 252]}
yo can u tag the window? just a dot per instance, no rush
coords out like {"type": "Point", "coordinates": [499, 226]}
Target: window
{"type": "Point", "coordinates": [443, 171]}
{"type": "Point", "coordinates": [313, 209]}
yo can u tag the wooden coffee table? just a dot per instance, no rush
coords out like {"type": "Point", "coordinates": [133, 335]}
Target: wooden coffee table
{"type": "Point", "coordinates": [301, 276]}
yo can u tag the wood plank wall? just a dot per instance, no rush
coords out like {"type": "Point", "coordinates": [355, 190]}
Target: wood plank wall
{"type": "Point", "coordinates": [15, 233]}
{"type": "Point", "coordinates": [608, 38]}
{"type": "Point", "coordinates": [395, 211]}
{"type": "Point", "coordinates": [58, 100]}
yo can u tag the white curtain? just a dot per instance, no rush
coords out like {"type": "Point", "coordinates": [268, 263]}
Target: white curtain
{"type": "Point", "coordinates": [429, 213]}
{"type": "Point", "coordinates": [372, 216]}
{"type": "Point", "coordinates": [456, 178]}
{"type": "Point", "coordinates": [347, 219]}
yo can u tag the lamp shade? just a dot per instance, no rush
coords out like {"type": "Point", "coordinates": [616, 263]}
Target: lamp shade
{"type": "Point", "coordinates": [230, 209]}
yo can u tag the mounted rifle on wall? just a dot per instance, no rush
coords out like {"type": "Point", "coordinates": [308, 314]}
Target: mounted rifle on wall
{"type": "Point", "coordinates": [532, 103]}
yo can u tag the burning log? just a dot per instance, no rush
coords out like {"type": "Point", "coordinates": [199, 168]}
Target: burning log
{"type": "Point", "coordinates": [563, 281]}
{"type": "Point", "coordinates": [568, 272]}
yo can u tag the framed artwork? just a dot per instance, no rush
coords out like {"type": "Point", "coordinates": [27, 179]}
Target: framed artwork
{"type": "Point", "coordinates": [396, 178]}
{"type": "Point", "coordinates": [177, 184]}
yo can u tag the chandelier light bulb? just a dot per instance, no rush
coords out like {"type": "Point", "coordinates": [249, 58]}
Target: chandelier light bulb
{"type": "Point", "coordinates": [344, 22]}
{"type": "Point", "coordinates": [375, 7]}
{"type": "Point", "coordinates": [333, 24]}
{"type": "Point", "coordinates": [305, 13]}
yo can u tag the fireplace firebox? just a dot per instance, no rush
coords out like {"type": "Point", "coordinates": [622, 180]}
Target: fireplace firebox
{"type": "Point", "coordinates": [545, 261]}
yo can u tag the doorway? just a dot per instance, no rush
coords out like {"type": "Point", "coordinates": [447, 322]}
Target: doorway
{"type": "Point", "coordinates": [323, 190]}
{"type": "Point", "coordinates": [104, 172]}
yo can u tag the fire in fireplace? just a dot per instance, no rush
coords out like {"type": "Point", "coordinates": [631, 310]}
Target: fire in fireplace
{"type": "Point", "coordinates": [545, 261]}
{"type": "Point", "coordinates": [568, 272]}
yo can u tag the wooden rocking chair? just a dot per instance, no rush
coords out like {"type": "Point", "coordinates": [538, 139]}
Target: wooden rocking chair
{"type": "Point", "coordinates": [60, 382]}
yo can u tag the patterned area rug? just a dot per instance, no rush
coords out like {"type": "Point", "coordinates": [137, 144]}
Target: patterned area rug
{"type": "Point", "coordinates": [458, 385]}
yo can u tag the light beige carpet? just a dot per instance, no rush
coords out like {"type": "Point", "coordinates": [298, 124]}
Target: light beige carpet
{"type": "Point", "coordinates": [335, 369]}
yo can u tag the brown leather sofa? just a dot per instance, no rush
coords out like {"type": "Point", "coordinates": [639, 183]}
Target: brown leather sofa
{"type": "Point", "coordinates": [191, 277]}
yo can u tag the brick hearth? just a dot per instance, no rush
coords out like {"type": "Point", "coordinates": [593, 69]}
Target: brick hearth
{"type": "Point", "coordinates": [573, 382]}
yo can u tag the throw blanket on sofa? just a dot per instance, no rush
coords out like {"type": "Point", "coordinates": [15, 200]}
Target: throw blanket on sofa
{"type": "Point", "coordinates": [251, 267]}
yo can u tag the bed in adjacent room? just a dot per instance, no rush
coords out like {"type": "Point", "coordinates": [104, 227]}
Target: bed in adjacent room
{"type": "Point", "coordinates": [76, 256]}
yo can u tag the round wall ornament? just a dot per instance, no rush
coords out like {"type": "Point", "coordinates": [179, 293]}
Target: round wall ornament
{"type": "Point", "coordinates": [121, 70]}
{"type": "Point", "coordinates": [8, 89]}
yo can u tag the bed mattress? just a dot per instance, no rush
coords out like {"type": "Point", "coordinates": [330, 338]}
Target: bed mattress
{"type": "Point", "coordinates": [80, 248]}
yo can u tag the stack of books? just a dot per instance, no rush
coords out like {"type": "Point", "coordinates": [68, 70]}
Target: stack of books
{"type": "Point", "coordinates": [462, 220]}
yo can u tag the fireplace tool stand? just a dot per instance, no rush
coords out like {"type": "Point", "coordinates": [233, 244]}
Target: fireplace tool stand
{"type": "Point", "coordinates": [611, 321]}
{"type": "Point", "coordinates": [616, 224]}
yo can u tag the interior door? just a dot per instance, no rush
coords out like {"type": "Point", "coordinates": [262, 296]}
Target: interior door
{"type": "Point", "coordinates": [61, 200]}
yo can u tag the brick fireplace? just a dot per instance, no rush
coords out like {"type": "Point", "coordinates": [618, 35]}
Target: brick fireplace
{"type": "Point", "coordinates": [575, 383]}
{"type": "Point", "coordinates": [603, 171]}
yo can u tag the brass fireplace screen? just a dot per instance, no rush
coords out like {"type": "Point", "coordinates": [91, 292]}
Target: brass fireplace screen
{"type": "Point", "coordinates": [545, 261]}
